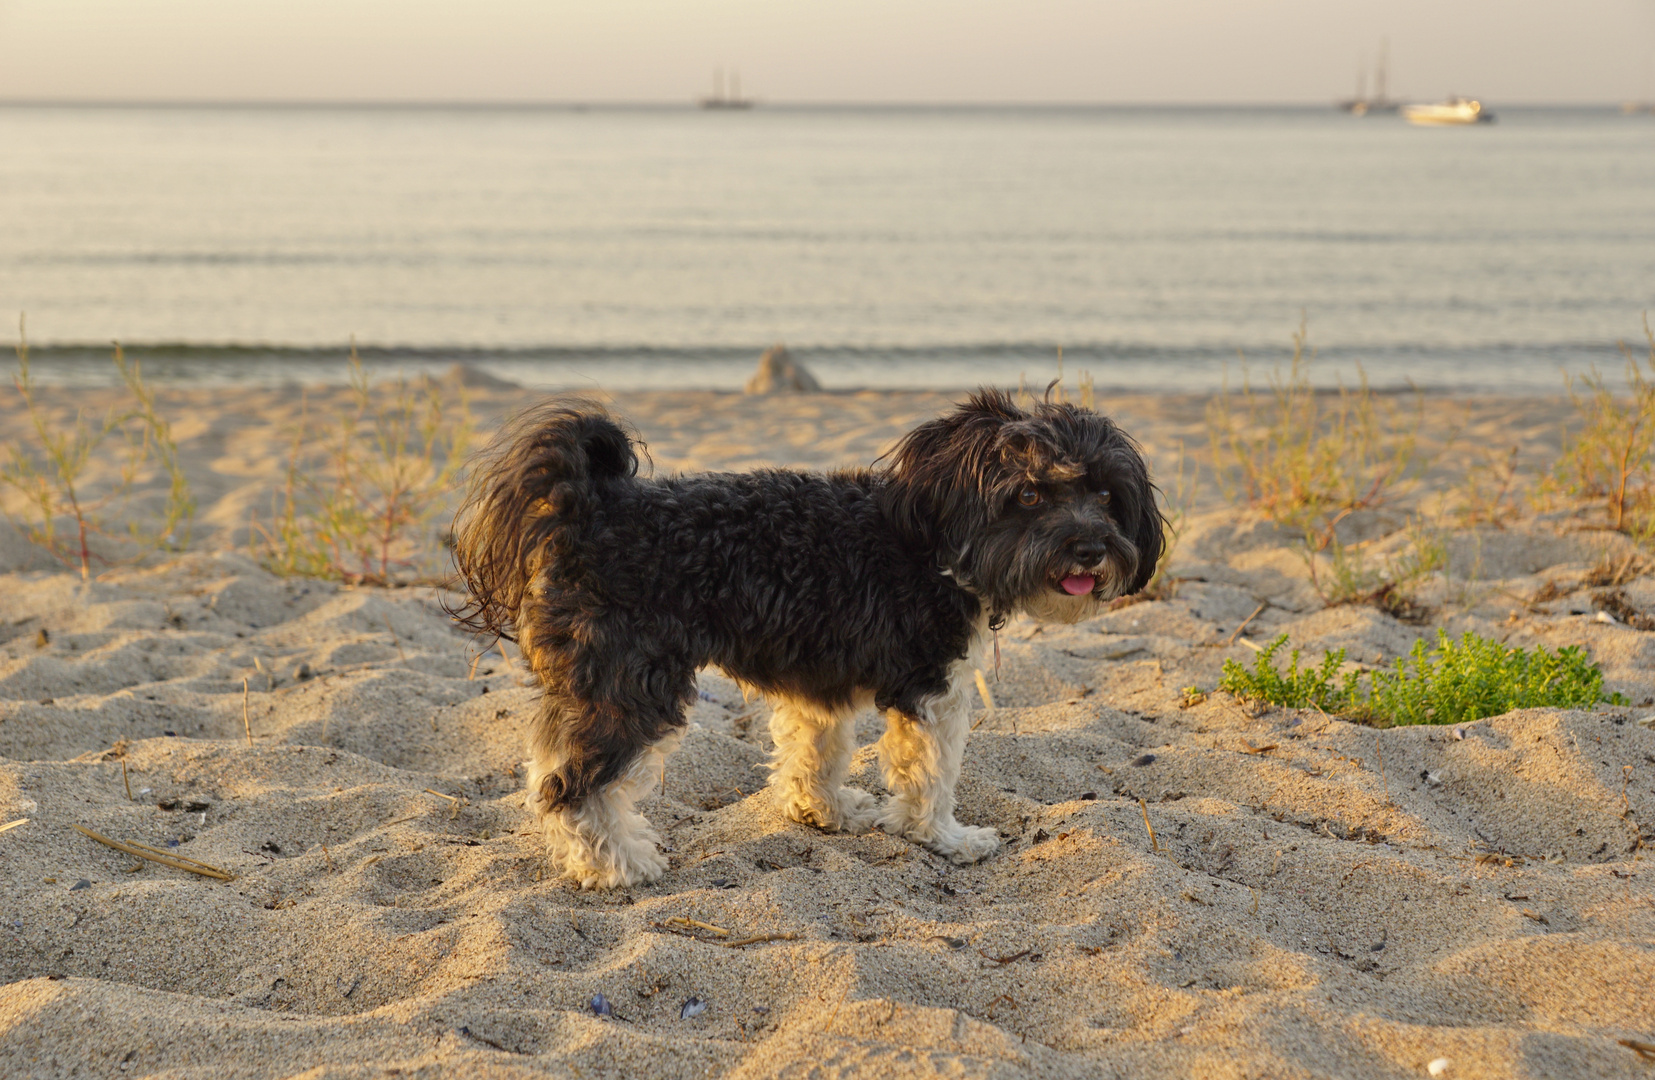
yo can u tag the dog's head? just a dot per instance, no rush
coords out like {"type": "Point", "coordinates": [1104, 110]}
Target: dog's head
{"type": "Point", "coordinates": [1049, 510]}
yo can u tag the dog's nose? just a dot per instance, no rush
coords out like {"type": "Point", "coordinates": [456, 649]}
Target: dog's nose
{"type": "Point", "coordinates": [1090, 552]}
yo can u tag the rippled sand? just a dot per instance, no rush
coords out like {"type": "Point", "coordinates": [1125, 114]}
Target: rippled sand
{"type": "Point", "coordinates": [1319, 898]}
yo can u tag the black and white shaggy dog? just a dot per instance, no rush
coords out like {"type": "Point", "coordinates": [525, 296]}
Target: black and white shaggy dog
{"type": "Point", "coordinates": [824, 592]}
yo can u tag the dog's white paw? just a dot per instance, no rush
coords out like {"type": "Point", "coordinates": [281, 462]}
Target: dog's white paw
{"type": "Point", "coordinates": [857, 810]}
{"type": "Point", "coordinates": [634, 861]}
{"type": "Point", "coordinates": [602, 849]}
{"type": "Point", "coordinates": [960, 843]}
{"type": "Point", "coordinates": [966, 843]}
{"type": "Point", "coordinates": [637, 868]}
{"type": "Point", "coordinates": [847, 810]}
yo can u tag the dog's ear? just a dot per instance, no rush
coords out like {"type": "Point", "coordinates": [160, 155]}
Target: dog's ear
{"type": "Point", "coordinates": [608, 448]}
{"type": "Point", "coordinates": [1148, 531]}
{"type": "Point", "coordinates": [934, 495]}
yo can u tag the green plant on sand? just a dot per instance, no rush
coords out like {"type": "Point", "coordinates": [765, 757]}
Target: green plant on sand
{"type": "Point", "coordinates": [1453, 682]}
{"type": "Point", "coordinates": [364, 485]}
{"type": "Point", "coordinates": [63, 506]}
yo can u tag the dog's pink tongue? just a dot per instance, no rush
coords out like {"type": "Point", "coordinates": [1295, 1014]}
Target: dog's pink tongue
{"type": "Point", "coordinates": [1078, 584]}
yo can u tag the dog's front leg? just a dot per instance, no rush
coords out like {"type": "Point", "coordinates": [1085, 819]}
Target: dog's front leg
{"type": "Point", "coordinates": [812, 759]}
{"type": "Point", "coordinates": [921, 759]}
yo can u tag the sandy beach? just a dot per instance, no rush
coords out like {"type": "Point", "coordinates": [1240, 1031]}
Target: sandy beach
{"type": "Point", "coordinates": [1185, 888]}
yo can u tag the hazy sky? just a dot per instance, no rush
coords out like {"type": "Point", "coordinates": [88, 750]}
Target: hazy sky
{"type": "Point", "coordinates": [822, 50]}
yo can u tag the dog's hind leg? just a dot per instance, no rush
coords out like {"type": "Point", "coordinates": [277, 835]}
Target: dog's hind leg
{"type": "Point", "coordinates": [599, 839]}
{"type": "Point", "coordinates": [813, 750]}
{"type": "Point", "coordinates": [921, 758]}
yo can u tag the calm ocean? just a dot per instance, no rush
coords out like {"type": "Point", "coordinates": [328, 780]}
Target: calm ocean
{"type": "Point", "coordinates": [888, 247]}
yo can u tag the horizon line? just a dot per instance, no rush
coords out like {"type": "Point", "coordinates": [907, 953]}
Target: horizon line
{"type": "Point", "coordinates": [693, 103]}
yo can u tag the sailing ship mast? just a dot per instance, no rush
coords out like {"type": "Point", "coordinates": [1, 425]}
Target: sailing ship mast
{"type": "Point", "coordinates": [1381, 101]}
{"type": "Point", "coordinates": [722, 100]}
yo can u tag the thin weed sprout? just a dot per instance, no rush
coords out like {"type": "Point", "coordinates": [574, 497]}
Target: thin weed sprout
{"type": "Point", "coordinates": [1056, 392]}
{"type": "Point", "coordinates": [1489, 493]}
{"type": "Point", "coordinates": [1309, 460]}
{"type": "Point", "coordinates": [70, 512]}
{"type": "Point", "coordinates": [359, 508]}
{"type": "Point", "coordinates": [1449, 683]}
{"type": "Point", "coordinates": [1390, 585]}
{"type": "Point", "coordinates": [1611, 460]}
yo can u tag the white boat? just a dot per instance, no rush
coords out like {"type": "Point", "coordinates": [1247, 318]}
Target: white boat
{"type": "Point", "coordinates": [1453, 111]}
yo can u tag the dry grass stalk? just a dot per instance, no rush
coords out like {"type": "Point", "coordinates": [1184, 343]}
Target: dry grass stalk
{"type": "Point", "coordinates": [1611, 461]}
{"type": "Point", "coordinates": [10, 825]}
{"type": "Point", "coordinates": [395, 638]}
{"type": "Point", "coordinates": [1310, 460]}
{"type": "Point", "coordinates": [758, 939]}
{"type": "Point", "coordinates": [1300, 461]}
{"type": "Point", "coordinates": [156, 855]}
{"type": "Point", "coordinates": [246, 718]}
{"type": "Point", "coordinates": [1246, 623]}
{"type": "Point", "coordinates": [359, 508]}
{"type": "Point", "coordinates": [1154, 845]}
{"type": "Point", "coordinates": [1487, 497]}
{"type": "Point", "coordinates": [455, 803]}
{"type": "Point", "coordinates": [982, 691]}
{"type": "Point", "coordinates": [71, 515]}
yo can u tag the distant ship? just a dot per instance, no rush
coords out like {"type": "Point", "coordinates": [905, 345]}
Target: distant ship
{"type": "Point", "coordinates": [718, 99]}
{"type": "Point", "coordinates": [1381, 102]}
{"type": "Point", "coordinates": [1453, 111]}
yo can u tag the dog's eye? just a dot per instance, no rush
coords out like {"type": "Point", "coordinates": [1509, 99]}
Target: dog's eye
{"type": "Point", "coordinates": [1029, 496]}
{"type": "Point", "coordinates": [1103, 496]}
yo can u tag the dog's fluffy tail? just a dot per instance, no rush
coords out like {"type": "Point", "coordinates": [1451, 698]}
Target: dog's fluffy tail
{"type": "Point", "coordinates": [530, 493]}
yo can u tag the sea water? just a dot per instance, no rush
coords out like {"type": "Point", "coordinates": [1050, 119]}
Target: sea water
{"type": "Point", "coordinates": [1160, 248]}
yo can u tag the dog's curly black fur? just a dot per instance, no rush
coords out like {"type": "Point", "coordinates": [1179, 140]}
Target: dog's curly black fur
{"type": "Point", "coordinates": [823, 588]}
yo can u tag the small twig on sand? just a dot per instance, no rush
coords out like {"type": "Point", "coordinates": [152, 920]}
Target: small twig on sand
{"type": "Point", "coordinates": [8, 826]}
{"type": "Point", "coordinates": [1154, 845]}
{"type": "Point", "coordinates": [1244, 623]}
{"type": "Point", "coordinates": [455, 803]}
{"type": "Point", "coordinates": [679, 920]}
{"type": "Point", "coordinates": [144, 851]}
{"type": "Point", "coordinates": [400, 654]}
{"type": "Point", "coordinates": [757, 938]}
{"type": "Point", "coordinates": [246, 721]}
{"type": "Point", "coordinates": [1004, 960]}
{"type": "Point", "coordinates": [1379, 754]}
{"type": "Point", "coordinates": [835, 1014]}
{"type": "Point", "coordinates": [1639, 1047]}
{"type": "Point", "coordinates": [982, 688]}
{"type": "Point", "coordinates": [127, 781]}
